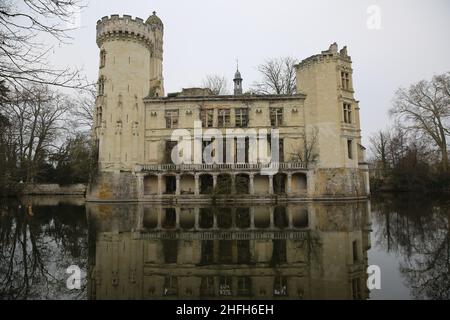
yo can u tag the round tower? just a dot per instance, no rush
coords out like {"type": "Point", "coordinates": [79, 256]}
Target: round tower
{"type": "Point", "coordinates": [131, 57]}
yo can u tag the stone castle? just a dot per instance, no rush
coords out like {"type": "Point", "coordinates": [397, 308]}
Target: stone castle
{"type": "Point", "coordinates": [320, 155]}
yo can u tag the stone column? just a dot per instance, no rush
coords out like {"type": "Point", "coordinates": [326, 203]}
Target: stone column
{"type": "Point", "coordinates": [177, 218]}
{"type": "Point", "coordinates": [160, 191]}
{"type": "Point", "coordinates": [289, 183]}
{"type": "Point", "coordinates": [271, 215]}
{"type": "Point", "coordinates": [290, 218]}
{"type": "Point", "coordinates": [178, 186]}
{"type": "Point", "coordinates": [197, 184]}
{"type": "Point", "coordinates": [251, 184]}
{"type": "Point", "coordinates": [197, 218]}
{"type": "Point", "coordinates": [214, 180]}
{"type": "Point", "coordinates": [252, 218]}
{"type": "Point", "coordinates": [159, 218]}
{"type": "Point", "coordinates": [140, 218]}
{"type": "Point", "coordinates": [233, 184]}
{"type": "Point", "coordinates": [270, 184]}
{"type": "Point", "coordinates": [140, 185]}
{"type": "Point", "coordinates": [214, 220]}
{"type": "Point", "coordinates": [310, 186]}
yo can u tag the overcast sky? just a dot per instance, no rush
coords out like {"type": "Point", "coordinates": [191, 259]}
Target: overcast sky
{"type": "Point", "coordinates": [207, 36]}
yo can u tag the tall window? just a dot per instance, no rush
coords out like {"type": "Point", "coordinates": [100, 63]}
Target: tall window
{"type": "Point", "coordinates": [347, 112]}
{"type": "Point", "coordinates": [99, 116]}
{"type": "Point", "coordinates": [224, 118]}
{"type": "Point", "coordinates": [207, 118]}
{"type": "Point", "coordinates": [171, 118]}
{"type": "Point", "coordinates": [102, 58]}
{"type": "Point", "coordinates": [241, 117]}
{"type": "Point", "coordinates": [345, 79]}
{"type": "Point", "coordinates": [276, 117]}
{"type": "Point", "coordinates": [101, 86]}
{"type": "Point", "coordinates": [355, 251]}
{"type": "Point", "coordinates": [350, 149]}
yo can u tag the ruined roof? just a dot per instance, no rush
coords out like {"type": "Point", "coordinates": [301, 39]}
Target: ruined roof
{"type": "Point", "coordinates": [154, 19]}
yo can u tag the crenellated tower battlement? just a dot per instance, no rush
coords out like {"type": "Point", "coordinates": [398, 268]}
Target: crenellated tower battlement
{"type": "Point", "coordinates": [149, 33]}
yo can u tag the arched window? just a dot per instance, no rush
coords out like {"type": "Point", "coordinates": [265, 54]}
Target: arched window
{"type": "Point", "coordinates": [101, 86]}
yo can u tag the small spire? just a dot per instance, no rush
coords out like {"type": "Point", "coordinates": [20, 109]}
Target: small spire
{"type": "Point", "coordinates": [154, 13]}
{"type": "Point", "coordinates": [237, 80]}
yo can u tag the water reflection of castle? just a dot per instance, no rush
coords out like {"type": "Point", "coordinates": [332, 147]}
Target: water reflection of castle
{"type": "Point", "coordinates": [294, 251]}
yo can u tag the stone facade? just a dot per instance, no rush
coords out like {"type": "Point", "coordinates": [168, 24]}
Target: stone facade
{"type": "Point", "coordinates": [320, 153]}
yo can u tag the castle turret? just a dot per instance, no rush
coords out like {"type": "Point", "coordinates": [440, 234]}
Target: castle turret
{"type": "Point", "coordinates": [326, 78]}
{"type": "Point", "coordinates": [131, 56]}
{"type": "Point", "coordinates": [332, 119]}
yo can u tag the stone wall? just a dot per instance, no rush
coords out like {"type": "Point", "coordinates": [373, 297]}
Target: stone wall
{"type": "Point", "coordinates": [53, 189]}
{"type": "Point", "coordinates": [339, 183]}
{"type": "Point", "coordinates": [113, 186]}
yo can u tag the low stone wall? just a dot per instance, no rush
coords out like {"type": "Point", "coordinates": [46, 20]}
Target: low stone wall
{"type": "Point", "coordinates": [53, 189]}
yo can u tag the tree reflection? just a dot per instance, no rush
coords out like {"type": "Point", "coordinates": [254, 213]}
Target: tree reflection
{"type": "Point", "coordinates": [418, 230]}
{"type": "Point", "coordinates": [37, 244]}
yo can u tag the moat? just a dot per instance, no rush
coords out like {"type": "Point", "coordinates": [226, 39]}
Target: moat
{"type": "Point", "coordinates": [311, 250]}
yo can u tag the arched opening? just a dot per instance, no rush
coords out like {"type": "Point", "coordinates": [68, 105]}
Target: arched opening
{"type": "Point", "coordinates": [280, 217]}
{"type": "Point", "coordinates": [171, 184]}
{"type": "Point", "coordinates": [261, 184]}
{"type": "Point", "coordinates": [150, 218]}
{"type": "Point", "coordinates": [223, 184]}
{"type": "Point", "coordinates": [300, 218]}
{"type": "Point", "coordinates": [206, 184]}
{"type": "Point", "coordinates": [187, 218]}
{"type": "Point", "coordinates": [187, 184]}
{"type": "Point", "coordinates": [206, 218]}
{"type": "Point", "coordinates": [242, 184]}
{"type": "Point", "coordinates": [150, 185]}
{"type": "Point", "coordinates": [224, 218]}
{"type": "Point", "coordinates": [279, 183]}
{"type": "Point", "coordinates": [243, 218]}
{"type": "Point", "coordinates": [262, 217]}
{"type": "Point", "coordinates": [169, 218]}
{"type": "Point", "coordinates": [299, 183]}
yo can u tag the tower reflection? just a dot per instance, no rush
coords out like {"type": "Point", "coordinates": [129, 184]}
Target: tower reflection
{"type": "Point", "coordinates": [291, 251]}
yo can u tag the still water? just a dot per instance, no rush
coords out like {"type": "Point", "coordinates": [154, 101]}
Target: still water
{"type": "Point", "coordinates": [285, 251]}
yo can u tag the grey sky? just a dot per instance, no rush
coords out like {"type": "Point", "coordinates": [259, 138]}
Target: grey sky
{"type": "Point", "coordinates": [207, 36]}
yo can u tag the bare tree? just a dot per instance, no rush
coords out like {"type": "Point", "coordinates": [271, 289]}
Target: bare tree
{"type": "Point", "coordinates": [23, 56]}
{"type": "Point", "coordinates": [380, 148]}
{"type": "Point", "coordinates": [217, 84]}
{"type": "Point", "coordinates": [307, 153]}
{"type": "Point", "coordinates": [83, 111]}
{"type": "Point", "coordinates": [278, 77]}
{"type": "Point", "coordinates": [425, 108]}
{"type": "Point", "coordinates": [38, 117]}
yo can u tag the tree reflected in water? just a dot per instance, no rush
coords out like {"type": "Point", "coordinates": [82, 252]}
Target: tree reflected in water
{"type": "Point", "coordinates": [417, 229]}
{"type": "Point", "coordinates": [37, 244]}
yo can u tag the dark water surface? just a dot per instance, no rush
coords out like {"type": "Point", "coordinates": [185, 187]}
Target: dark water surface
{"type": "Point", "coordinates": [285, 251]}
